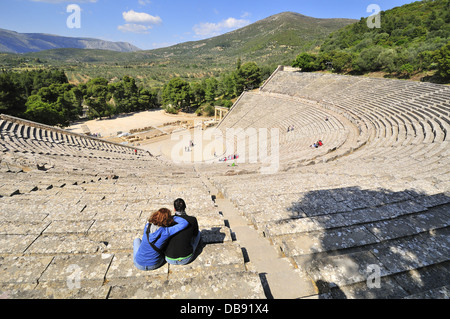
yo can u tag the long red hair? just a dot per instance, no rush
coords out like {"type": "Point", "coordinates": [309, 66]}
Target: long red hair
{"type": "Point", "coordinates": [162, 218]}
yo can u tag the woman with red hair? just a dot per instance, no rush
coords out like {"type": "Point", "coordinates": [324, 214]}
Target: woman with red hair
{"type": "Point", "coordinates": [148, 252]}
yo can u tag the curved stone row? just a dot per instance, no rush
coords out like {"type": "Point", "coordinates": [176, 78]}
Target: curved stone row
{"type": "Point", "coordinates": [71, 207]}
{"type": "Point", "coordinates": [372, 222]}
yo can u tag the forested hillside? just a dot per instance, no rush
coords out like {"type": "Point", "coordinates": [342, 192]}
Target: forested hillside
{"type": "Point", "coordinates": [46, 96]}
{"type": "Point", "coordinates": [196, 76]}
{"type": "Point", "coordinates": [268, 42]}
{"type": "Point", "coordinates": [411, 38]}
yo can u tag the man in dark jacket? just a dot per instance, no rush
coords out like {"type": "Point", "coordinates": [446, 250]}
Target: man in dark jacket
{"type": "Point", "coordinates": [182, 246]}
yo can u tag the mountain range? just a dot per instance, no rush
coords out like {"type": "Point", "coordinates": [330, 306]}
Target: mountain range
{"type": "Point", "coordinates": [269, 42]}
{"type": "Point", "coordinates": [282, 33]}
{"type": "Point", "coordinates": [14, 42]}
{"type": "Point", "coordinates": [264, 40]}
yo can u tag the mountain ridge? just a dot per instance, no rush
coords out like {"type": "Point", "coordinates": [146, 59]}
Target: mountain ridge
{"type": "Point", "coordinates": [288, 31]}
{"type": "Point", "coordinates": [269, 42]}
{"type": "Point", "coordinates": [15, 42]}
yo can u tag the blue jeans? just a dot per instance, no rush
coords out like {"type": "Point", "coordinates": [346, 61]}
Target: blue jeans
{"type": "Point", "coordinates": [187, 260]}
{"type": "Point", "coordinates": [136, 244]}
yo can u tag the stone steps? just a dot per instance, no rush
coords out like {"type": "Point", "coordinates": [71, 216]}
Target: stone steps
{"type": "Point", "coordinates": [370, 208]}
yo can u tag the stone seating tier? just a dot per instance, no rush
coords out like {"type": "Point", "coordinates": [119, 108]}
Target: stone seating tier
{"type": "Point", "coordinates": [386, 203]}
{"type": "Point", "coordinates": [374, 200]}
{"type": "Point", "coordinates": [62, 217]}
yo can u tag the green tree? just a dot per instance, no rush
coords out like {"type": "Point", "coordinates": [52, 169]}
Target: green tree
{"type": "Point", "coordinates": [406, 70]}
{"type": "Point", "coordinates": [148, 99]}
{"type": "Point", "coordinates": [65, 98]}
{"type": "Point", "coordinates": [198, 94]}
{"type": "Point", "coordinates": [341, 61]}
{"type": "Point", "coordinates": [97, 97]}
{"type": "Point", "coordinates": [305, 61]}
{"type": "Point", "coordinates": [247, 77]}
{"type": "Point", "coordinates": [12, 99]}
{"type": "Point", "coordinates": [386, 60]}
{"type": "Point", "coordinates": [42, 112]}
{"type": "Point", "coordinates": [176, 94]}
{"type": "Point", "coordinates": [368, 60]}
{"type": "Point", "coordinates": [426, 60]}
{"type": "Point", "coordinates": [226, 87]}
{"type": "Point", "coordinates": [126, 95]}
{"type": "Point", "coordinates": [210, 87]}
{"type": "Point", "coordinates": [443, 61]}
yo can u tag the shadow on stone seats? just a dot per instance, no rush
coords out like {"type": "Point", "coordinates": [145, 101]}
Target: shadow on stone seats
{"type": "Point", "coordinates": [369, 243]}
{"type": "Point", "coordinates": [208, 236]}
{"type": "Point", "coordinates": [213, 235]}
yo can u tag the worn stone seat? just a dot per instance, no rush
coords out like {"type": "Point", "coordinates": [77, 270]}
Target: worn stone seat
{"type": "Point", "coordinates": [371, 207]}
{"type": "Point", "coordinates": [375, 205]}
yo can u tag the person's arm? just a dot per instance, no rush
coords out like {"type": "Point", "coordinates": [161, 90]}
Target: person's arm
{"type": "Point", "coordinates": [181, 224]}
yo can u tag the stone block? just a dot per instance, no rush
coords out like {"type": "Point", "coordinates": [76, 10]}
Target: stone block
{"type": "Point", "coordinates": [24, 269]}
{"type": "Point", "coordinates": [210, 221]}
{"type": "Point", "coordinates": [123, 271]}
{"type": "Point", "coordinates": [436, 293]}
{"type": "Point", "coordinates": [341, 270]}
{"type": "Point", "coordinates": [424, 279]}
{"type": "Point", "coordinates": [433, 200]}
{"type": "Point", "coordinates": [291, 226]}
{"type": "Point", "coordinates": [54, 291]}
{"type": "Point", "coordinates": [216, 235]}
{"type": "Point", "coordinates": [328, 240]}
{"type": "Point", "coordinates": [317, 204]}
{"type": "Point", "coordinates": [15, 244]}
{"type": "Point", "coordinates": [239, 285]}
{"type": "Point", "coordinates": [410, 253]}
{"type": "Point", "coordinates": [23, 228]}
{"type": "Point", "coordinates": [19, 291]}
{"type": "Point", "coordinates": [75, 270]}
{"type": "Point", "coordinates": [116, 225]}
{"type": "Point", "coordinates": [113, 241]}
{"type": "Point", "coordinates": [390, 229]}
{"type": "Point", "coordinates": [68, 227]}
{"type": "Point", "coordinates": [389, 289]}
{"type": "Point", "coordinates": [110, 212]}
{"type": "Point", "coordinates": [21, 211]}
{"type": "Point", "coordinates": [64, 244]}
{"type": "Point", "coordinates": [213, 258]}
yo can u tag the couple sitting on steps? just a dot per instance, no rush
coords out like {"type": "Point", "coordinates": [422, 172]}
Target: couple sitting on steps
{"type": "Point", "coordinates": [167, 238]}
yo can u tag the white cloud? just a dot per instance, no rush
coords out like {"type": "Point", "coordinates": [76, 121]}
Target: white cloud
{"type": "Point", "coordinates": [207, 29]}
{"type": "Point", "coordinates": [140, 17]}
{"type": "Point", "coordinates": [138, 22]}
{"type": "Point", "coordinates": [134, 28]}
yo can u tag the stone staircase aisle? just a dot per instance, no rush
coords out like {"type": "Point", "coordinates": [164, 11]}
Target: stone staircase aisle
{"type": "Point", "coordinates": [280, 279]}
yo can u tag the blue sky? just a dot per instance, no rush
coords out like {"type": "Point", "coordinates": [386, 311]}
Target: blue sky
{"type": "Point", "coordinates": [150, 24]}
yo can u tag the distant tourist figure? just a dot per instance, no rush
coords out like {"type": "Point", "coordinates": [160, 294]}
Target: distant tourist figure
{"type": "Point", "coordinates": [148, 252]}
{"type": "Point", "coordinates": [182, 246]}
